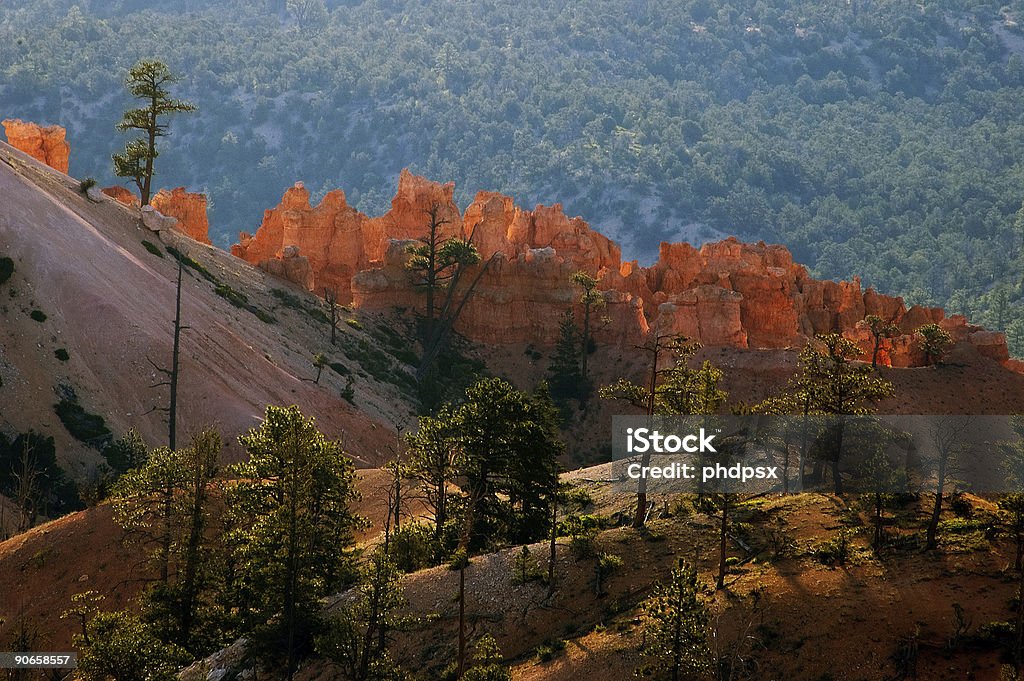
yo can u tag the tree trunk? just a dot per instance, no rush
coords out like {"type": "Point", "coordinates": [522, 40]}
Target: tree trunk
{"type": "Point", "coordinates": [554, 537]}
{"type": "Point", "coordinates": [640, 519]}
{"type": "Point", "coordinates": [172, 412]}
{"type": "Point", "coordinates": [462, 620]}
{"type": "Point", "coordinates": [933, 524]}
{"type": "Point", "coordinates": [878, 520]}
{"type": "Point", "coordinates": [837, 478]}
{"type": "Point", "coordinates": [291, 563]}
{"type": "Point", "coordinates": [147, 184]}
{"type": "Point", "coordinates": [722, 542]}
{"type": "Point", "coordinates": [586, 337]}
{"type": "Point", "coordinates": [190, 580]}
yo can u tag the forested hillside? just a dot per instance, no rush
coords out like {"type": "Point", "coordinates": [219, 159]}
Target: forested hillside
{"type": "Point", "coordinates": [879, 139]}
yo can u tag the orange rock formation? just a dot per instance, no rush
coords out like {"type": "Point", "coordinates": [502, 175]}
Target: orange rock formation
{"type": "Point", "coordinates": [189, 208]}
{"type": "Point", "coordinates": [725, 293]}
{"type": "Point", "coordinates": [122, 195]}
{"type": "Point", "coordinates": [47, 145]}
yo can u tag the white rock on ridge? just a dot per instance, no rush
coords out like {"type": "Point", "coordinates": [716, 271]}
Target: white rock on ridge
{"type": "Point", "coordinates": [155, 221]}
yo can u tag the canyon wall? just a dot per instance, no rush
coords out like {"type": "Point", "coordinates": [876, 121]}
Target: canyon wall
{"type": "Point", "coordinates": [726, 293]}
{"type": "Point", "coordinates": [45, 144]}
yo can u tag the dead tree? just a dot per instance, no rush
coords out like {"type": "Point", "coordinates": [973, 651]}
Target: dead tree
{"type": "Point", "coordinates": [331, 297]}
{"type": "Point", "coordinates": [948, 438]}
{"type": "Point", "coordinates": [171, 374]}
{"type": "Point", "coordinates": [26, 492]}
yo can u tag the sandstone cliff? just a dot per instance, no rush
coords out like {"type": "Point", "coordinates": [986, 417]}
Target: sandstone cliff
{"type": "Point", "coordinates": [188, 207]}
{"type": "Point", "coordinates": [727, 293]}
{"type": "Point", "coordinates": [47, 145]}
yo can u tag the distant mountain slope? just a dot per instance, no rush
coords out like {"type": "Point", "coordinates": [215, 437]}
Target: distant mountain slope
{"type": "Point", "coordinates": [879, 139]}
{"type": "Point", "coordinates": [109, 304]}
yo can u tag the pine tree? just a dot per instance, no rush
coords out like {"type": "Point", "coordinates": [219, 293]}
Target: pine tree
{"type": "Point", "coordinates": [434, 453]}
{"type": "Point", "coordinates": [676, 389]}
{"type": "Point", "coordinates": [832, 382]}
{"type": "Point", "coordinates": [564, 375]}
{"type": "Point", "coordinates": [934, 341]}
{"type": "Point", "coordinates": [880, 330]}
{"type": "Point", "coordinates": [591, 299]}
{"type": "Point", "coordinates": [676, 628]}
{"type": "Point", "coordinates": [438, 263]}
{"type": "Point", "coordinates": [118, 646]}
{"type": "Point", "coordinates": [356, 637]}
{"type": "Point", "coordinates": [147, 81]}
{"type": "Point", "coordinates": [487, 662]}
{"type": "Point", "coordinates": [293, 528]}
{"type": "Point", "coordinates": [164, 506]}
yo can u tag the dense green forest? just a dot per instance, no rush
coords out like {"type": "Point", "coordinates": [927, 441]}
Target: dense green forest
{"type": "Point", "coordinates": [874, 138]}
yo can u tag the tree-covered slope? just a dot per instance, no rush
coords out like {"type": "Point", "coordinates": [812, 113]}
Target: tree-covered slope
{"type": "Point", "coordinates": [880, 139]}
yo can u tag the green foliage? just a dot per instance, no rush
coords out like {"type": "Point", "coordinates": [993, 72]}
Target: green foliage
{"type": "Point", "coordinates": [438, 265]}
{"type": "Point", "coordinates": [6, 269]}
{"type": "Point", "coordinates": [33, 455]}
{"type": "Point", "coordinates": [38, 315]}
{"type": "Point", "coordinates": [591, 299]}
{"type": "Point", "coordinates": [380, 364]}
{"type": "Point", "coordinates": [127, 452]}
{"type": "Point", "coordinates": [525, 568]}
{"type": "Point", "coordinates": [833, 383]}
{"type": "Point", "coordinates": [608, 563]}
{"type": "Point", "coordinates": [710, 123]}
{"type": "Point", "coordinates": [581, 529]}
{"type": "Point", "coordinates": [61, 354]}
{"type": "Point", "coordinates": [934, 341]}
{"type": "Point", "coordinates": [287, 298]}
{"type": "Point", "coordinates": [680, 390]}
{"type": "Point", "coordinates": [163, 504]}
{"type": "Point", "coordinates": [85, 185]}
{"type": "Point", "coordinates": [547, 651]}
{"type": "Point", "coordinates": [83, 426]}
{"type": "Point", "coordinates": [413, 547]}
{"type": "Point", "coordinates": [146, 81]}
{"type": "Point", "coordinates": [192, 264]}
{"type": "Point", "coordinates": [153, 248]}
{"type": "Point", "coordinates": [240, 300]}
{"type": "Point", "coordinates": [319, 362]}
{"type": "Point", "coordinates": [880, 329]}
{"type": "Point", "coordinates": [354, 323]}
{"type": "Point", "coordinates": [355, 636]}
{"type": "Point", "coordinates": [118, 645]}
{"type": "Point", "coordinates": [452, 373]}
{"type": "Point", "coordinates": [292, 529]}
{"type": "Point", "coordinates": [837, 550]}
{"type": "Point", "coordinates": [487, 662]}
{"type": "Point", "coordinates": [348, 391]}
{"type": "Point", "coordinates": [503, 445]}
{"type": "Point", "coordinates": [565, 378]}
{"type": "Point", "coordinates": [676, 628]}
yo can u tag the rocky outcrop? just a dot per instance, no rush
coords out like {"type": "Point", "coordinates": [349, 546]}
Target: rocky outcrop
{"type": "Point", "coordinates": [331, 236]}
{"type": "Point", "coordinates": [189, 209]}
{"type": "Point", "coordinates": [408, 216]}
{"type": "Point", "coordinates": [291, 266]}
{"type": "Point", "coordinates": [45, 144]}
{"type": "Point", "coordinates": [155, 221]}
{"type": "Point", "coordinates": [497, 225]}
{"type": "Point", "coordinates": [122, 195]}
{"type": "Point", "coordinates": [727, 293]}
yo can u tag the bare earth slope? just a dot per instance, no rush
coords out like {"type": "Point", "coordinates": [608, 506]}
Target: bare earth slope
{"type": "Point", "coordinates": [110, 303]}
